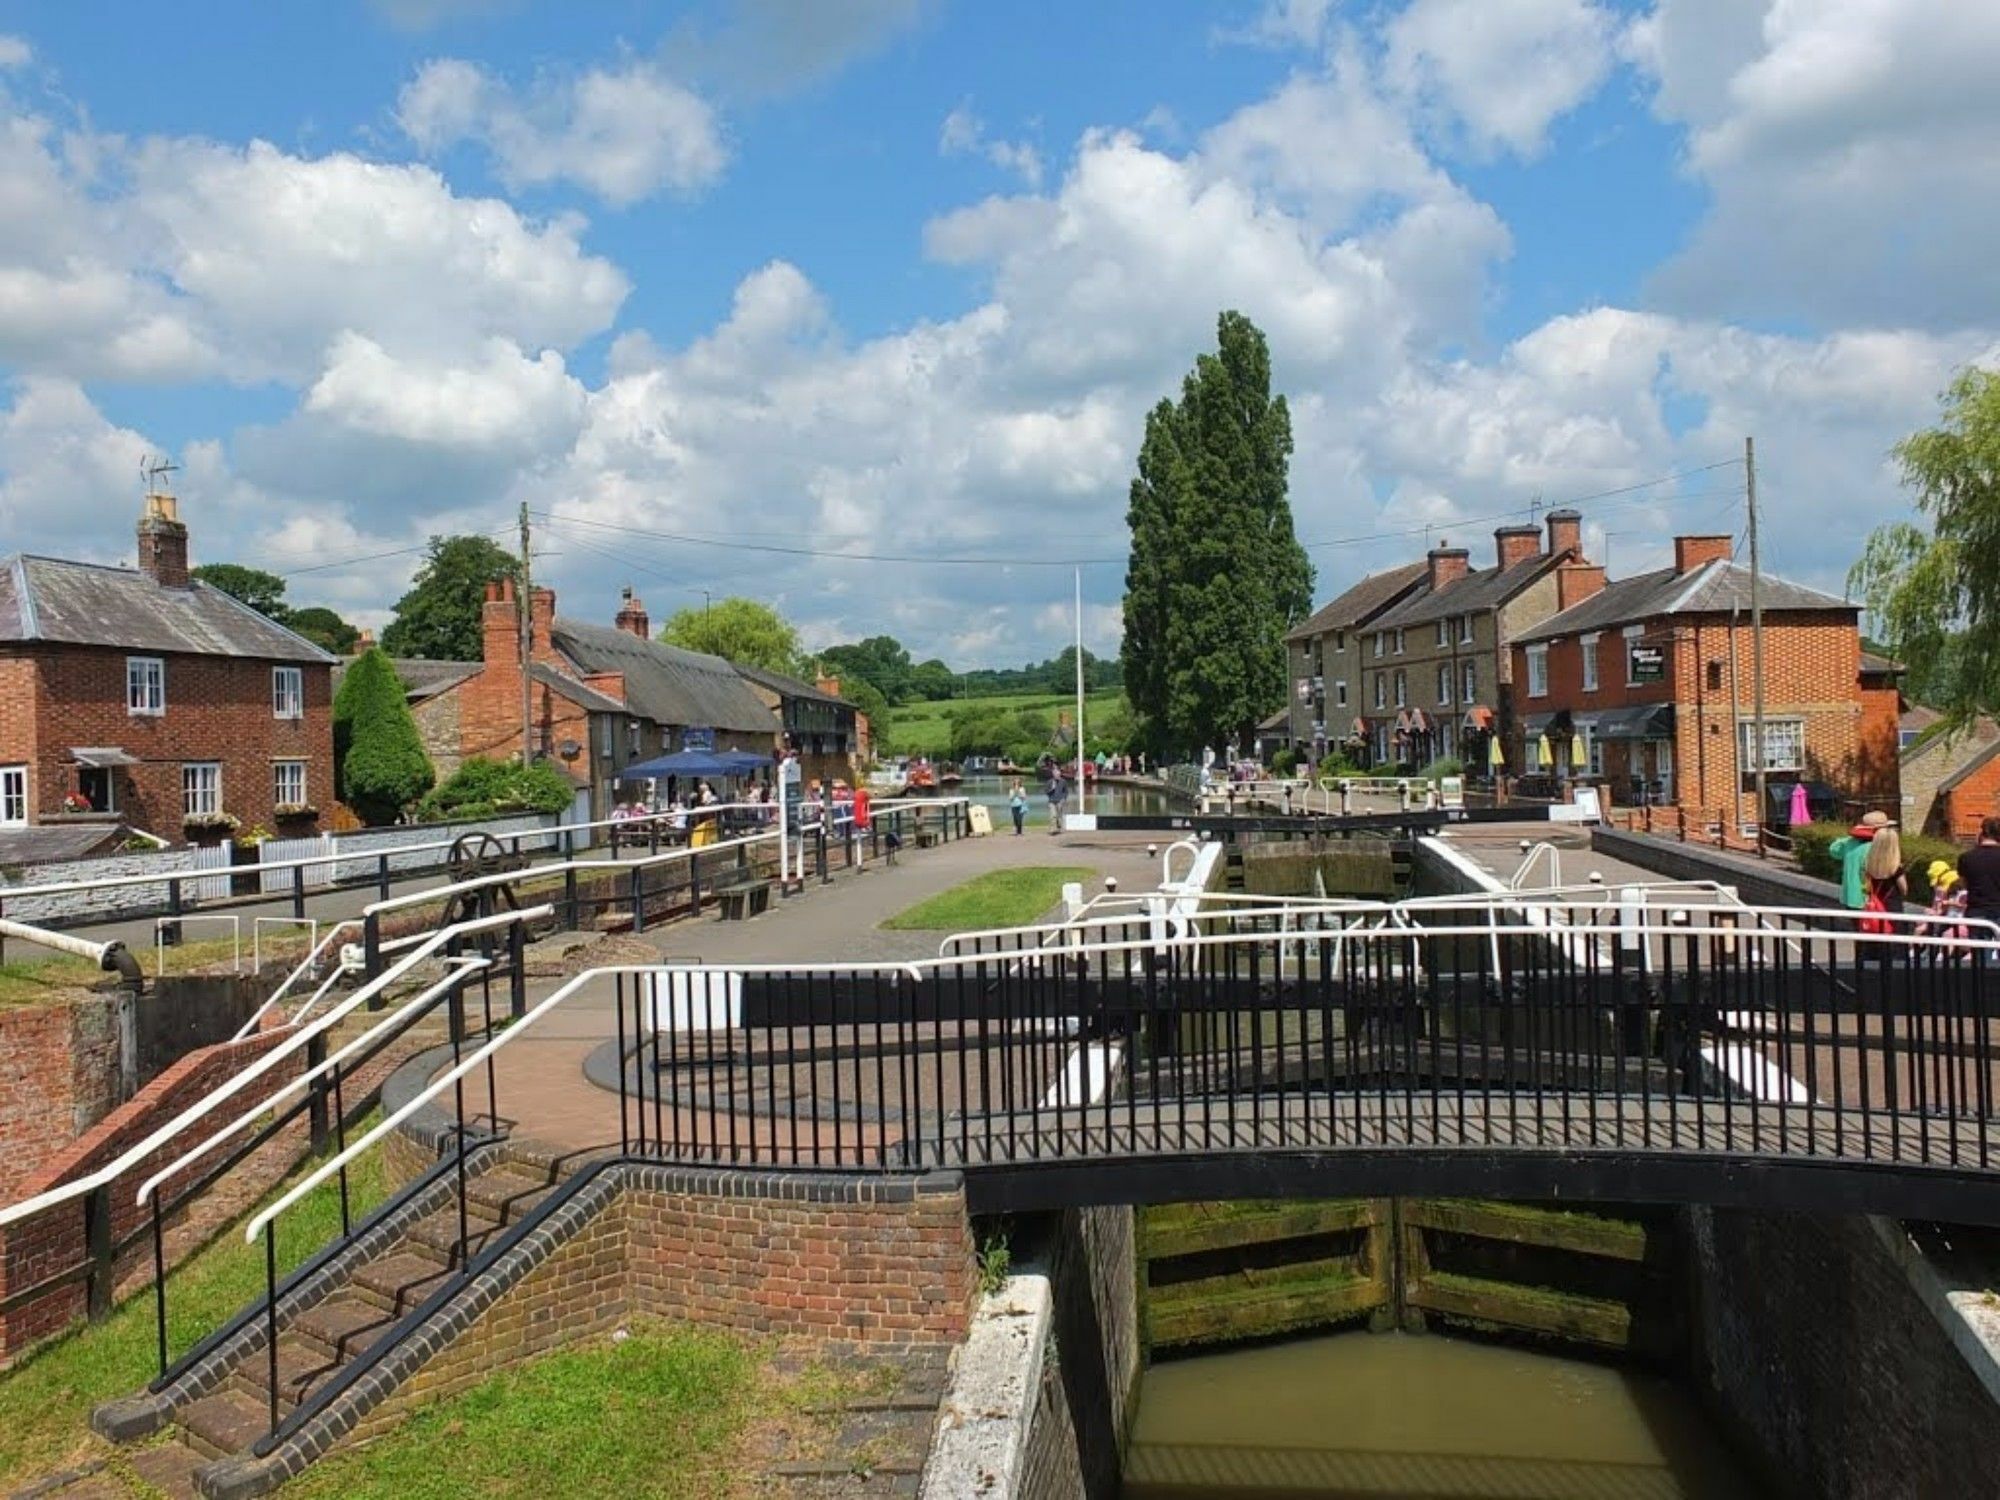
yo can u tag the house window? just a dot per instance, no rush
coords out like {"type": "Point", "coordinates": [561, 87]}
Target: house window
{"type": "Point", "coordinates": [1380, 690]}
{"type": "Point", "coordinates": [632, 737]}
{"type": "Point", "coordinates": [1340, 694]}
{"type": "Point", "coordinates": [1340, 640]}
{"type": "Point", "coordinates": [1381, 642]}
{"type": "Point", "coordinates": [1469, 684]}
{"type": "Point", "coordinates": [201, 788]}
{"type": "Point", "coordinates": [1402, 691]}
{"type": "Point", "coordinates": [98, 785]}
{"type": "Point", "coordinates": [1784, 744]}
{"type": "Point", "coordinates": [1593, 749]}
{"type": "Point", "coordinates": [1588, 645]}
{"type": "Point", "coordinates": [1538, 671]}
{"type": "Point", "coordinates": [1399, 642]}
{"type": "Point", "coordinates": [13, 795]}
{"type": "Point", "coordinates": [1632, 634]}
{"type": "Point", "coordinates": [1444, 684]}
{"type": "Point", "coordinates": [1465, 630]}
{"type": "Point", "coordinates": [288, 783]}
{"type": "Point", "coordinates": [288, 692]}
{"type": "Point", "coordinates": [145, 685]}
{"type": "Point", "coordinates": [1443, 633]}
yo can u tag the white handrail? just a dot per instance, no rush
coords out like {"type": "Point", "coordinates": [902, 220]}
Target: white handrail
{"type": "Point", "coordinates": [293, 978]}
{"type": "Point", "coordinates": [463, 964]}
{"type": "Point", "coordinates": [1535, 852]}
{"type": "Point", "coordinates": [237, 1082]}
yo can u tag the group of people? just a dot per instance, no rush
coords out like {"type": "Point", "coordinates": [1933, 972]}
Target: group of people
{"type": "Point", "coordinates": [1875, 881]}
{"type": "Point", "coordinates": [1057, 791]}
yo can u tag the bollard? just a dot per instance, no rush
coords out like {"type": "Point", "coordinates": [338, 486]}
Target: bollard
{"type": "Point", "coordinates": [819, 854]}
{"type": "Point", "coordinates": [171, 933]}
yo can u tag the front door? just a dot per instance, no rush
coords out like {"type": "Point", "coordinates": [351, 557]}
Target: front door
{"type": "Point", "coordinates": [1663, 769]}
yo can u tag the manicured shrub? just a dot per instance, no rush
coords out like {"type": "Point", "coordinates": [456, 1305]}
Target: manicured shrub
{"type": "Point", "coordinates": [1284, 761]}
{"type": "Point", "coordinates": [1810, 843]}
{"type": "Point", "coordinates": [379, 764]}
{"type": "Point", "coordinates": [482, 788]}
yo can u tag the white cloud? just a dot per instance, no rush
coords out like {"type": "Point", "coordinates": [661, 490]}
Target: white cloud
{"type": "Point", "coordinates": [1852, 150]}
{"type": "Point", "coordinates": [1285, 23]}
{"type": "Point", "coordinates": [625, 133]}
{"type": "Point", "coordinates": [964, 134]}
{"type": "Point", "coordinates": [60, 462]}
{"type": "Point", "coordinates": [1502, 70]}
{"type": "Point", "coordinates": [504, 402]}
{"type": "Point", "coordinates": [15, 52]}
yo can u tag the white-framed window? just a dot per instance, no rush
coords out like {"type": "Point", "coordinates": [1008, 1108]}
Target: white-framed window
{"type": "Point", "coordinates": [1468, 685]}
{"type": "Point", "coordinates": [1465, 630]}
{"type": "Point", "coordinates": [1784, 744]}
{"type": "Point", "coordinates": [1381, 642]}
{"type": "Point", "coordinates": [1593, 749]}
{"type": "Point", "coordinates": [1340, 640]}
{"type": "Point", "coordinates": [1588, 646]}
{"type": "Point", "coordinates": [1632, 635]}
{"type": "Point", "coordinates": [288, 782]}
{"type": "Point", "coordinates": [201, 788]}
{"type": "Point", "coordinates": [288, 693]}
{"type": "Point", "coordinates": [1444, 684]}
{"type": "Point", "coordinates": [13, 795]}
{"type": "Point", "coordinates": [1399, 642]}
{"type": "Point", "coordinates": [145, 685]}
{"type": "Point", "coordinates": [1538, 671]}
{"type": "Point", "coordinates": [1402, 689]}
{"type": "Point", "coordinates": [1381, 690]}
{"type": "Point", "coordinates": [1340, 694]}
{"type": "Point", "coordinates": [1443, 633]}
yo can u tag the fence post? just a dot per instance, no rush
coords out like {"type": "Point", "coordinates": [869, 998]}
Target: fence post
{"type": "Point", "coordinates": [638, 898]}
{"type": "Point", "coordinates": [298, 891]}
{"type": "Point", "coordinates": [371, 949]}
{"type": "Point", "coordinates": [570, 900]}
{"type": "Point", "coordinates": [694, 882]}
{"type": "Point", "coordinates": [819, 853]}
{"type": "Point", "coordinates": [171, 933]}
{"type": "Point", "coordinates": [315, 1056]}
{"type": "Point", "coordinates": [382, 874]}
{"type": "Point", "coordinates": [517, 965]}
{"type": "Point", "coordinates": [97, 1245]}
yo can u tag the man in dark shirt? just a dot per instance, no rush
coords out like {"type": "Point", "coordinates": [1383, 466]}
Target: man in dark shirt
{"type": "Point", "coordinates": [1979, 868]}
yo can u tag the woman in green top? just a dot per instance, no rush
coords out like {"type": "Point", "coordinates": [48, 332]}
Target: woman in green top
{"type": "Point", "coordinates": [1851, 849]}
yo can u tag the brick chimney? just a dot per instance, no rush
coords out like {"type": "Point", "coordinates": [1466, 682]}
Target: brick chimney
{"type": "Point", "coordinates": [1576, 582]}
{"type": "Point", "coordinates": [541, 625]}
{"type": "Point", "coordinates": [1517, 544]}
{"type": "Point", "coordinates": [364, 640]}
{"type": "Point", "coordinates": [1448, 564]}
{"type": "Point", "coordinates": [1565, 533]}
{"type": "Point", "coordinates": [500, 624]}
{"type": "Point", "coordinates": [163, 542]}
{"type": "Point", "coordinates": [1690, 552]}
{"type": "Point", "coordinates": [829, 685]}
{"type": "Point", "coordinates": [632, 617]}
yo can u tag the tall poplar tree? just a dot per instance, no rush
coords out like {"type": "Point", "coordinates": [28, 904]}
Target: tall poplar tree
{"type": "Point", "coordinates": [1216, 575]}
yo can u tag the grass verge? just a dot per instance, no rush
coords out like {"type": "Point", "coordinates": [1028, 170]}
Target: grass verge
{"type": "Point", "coordinates": [657, 1413]}
{"type": "Point", "coordinates": [999, 898]}
{"type": "Point", "coordinates": [61, 977]}
{"type": "Point", "coordinates": [45, 1403]}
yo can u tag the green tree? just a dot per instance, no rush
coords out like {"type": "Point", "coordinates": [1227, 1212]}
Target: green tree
{"type": "Point", "coordinates": [932, 681]}
{"type": "Point", "coordinates": [866, 698]}
{"type": "Point", "coordinates": [738, 630]}
{"type": "Point", "coordinates": [1216, 575]}
{"type": "Point", "coordinates": [880, 659]}
{"type": "Point", "coordinates": [379, 764]}
{"type": "Point", "coordinates": [439, 618]}
{"type": "Point", "coordinates": [324, 629]}
{"type": "Point", "coordinates": [1935, 597]}
{"type": "Point", "coordinates": [263, 592]}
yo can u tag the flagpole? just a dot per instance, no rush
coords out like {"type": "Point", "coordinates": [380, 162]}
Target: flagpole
{"type": "Point", "coordinates": [1079, 690]}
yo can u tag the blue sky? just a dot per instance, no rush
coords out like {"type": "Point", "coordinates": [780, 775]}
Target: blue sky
{"type": "Point", "coordinates": [900, 278]}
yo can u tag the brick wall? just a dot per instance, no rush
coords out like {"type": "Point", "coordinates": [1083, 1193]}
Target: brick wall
{"type": "Point", "coordinates": [217, 709]}
{"type": "Point", "coordinates": [1816, 1344]}
{"type": "Point", "coordinates": [52, 1242]}
{"type": "Point", "coordinates": [1877, 744]}
{"type": "Point", "coordinates": [1093, 1276]}
{"type": "Point", "coordinates": [1978, 796]}
{"type": "Point", "coordinates": [58, 1077]}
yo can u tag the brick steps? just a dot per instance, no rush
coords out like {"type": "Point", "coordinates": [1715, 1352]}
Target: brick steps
{"type": "Point", "coordinates": [168, 1468]}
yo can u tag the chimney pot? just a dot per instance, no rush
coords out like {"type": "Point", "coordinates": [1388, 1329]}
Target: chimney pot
{"type": "Point", "coordinates": [632, 617]}
{"type": "Point", "coordinates": [163, 542]}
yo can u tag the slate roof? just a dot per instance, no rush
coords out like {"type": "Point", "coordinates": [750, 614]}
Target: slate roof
{"type": "Point", "coordinates": [1373, 593]}
{"type": "Point", "coordinates": [1876, 664]}
{"type": "Point", "coordinates": [1715, 587]}
{"type": "Point", "coordinates": [1476, 592]}
{"type": "Point", "coordinates": [49, 843]}
{"type": "Point", "coordinates": [88, 604]}
{"type": "Point", "coordinates": [665, 683]}
{"type": "Point", "coordinates": [1964, 749]}
{"type": "Point", "coordinates": [790, 686]}
{"type": "Point", "coordinates": [581, 694]}
{"type": "Point", "coordinates": [421, 678]}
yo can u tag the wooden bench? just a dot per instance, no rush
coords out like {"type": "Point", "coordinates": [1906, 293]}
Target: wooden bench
{"type": "Point", "coordinates": [743, 898]}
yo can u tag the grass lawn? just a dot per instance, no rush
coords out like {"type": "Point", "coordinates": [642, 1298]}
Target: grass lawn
{"type": "Point", "coordinates": [658, 1413]}
{"type": "Point", "coordinates": [925, 728]}
{"type": "Point", "coordinates": [52, 977]}
{"type": "Point", "coordinates": [45, 1404]}
{"type": "Point", "coordinates": [999, 898]}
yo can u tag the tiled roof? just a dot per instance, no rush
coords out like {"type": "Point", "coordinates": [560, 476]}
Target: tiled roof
{"type": "Point", "coordinates": [1716, 587]}
{"type": "Point", "coordinates": [421, 678]}
{"type": "Point", "coordinates": [1473, 594]}
{"type": "Point", "coordinates": [665, 683]}
{"type": "Point", "coordinates": [1964, 749]}
{"type": "Point", "coordinates": [1370, 595]}
{"type": "Point", "coordinates": [788, 685]}
{"type": "Point", "coordinates": [581, 694]}
{"type": "Point", "coordinates": [87, 604]}
{"type": "Point", "coordinates": [1876, 663]}
{"type": "Point", "coordinates": [46, 844]}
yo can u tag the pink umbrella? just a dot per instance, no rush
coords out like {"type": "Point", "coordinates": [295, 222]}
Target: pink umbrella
{"type": "Point", "coordinates": [1800, 812]}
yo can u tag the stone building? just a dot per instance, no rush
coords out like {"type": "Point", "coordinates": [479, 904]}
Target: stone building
{"type": "Point", "coordinates": [1951, 778]}
{"type": "Point", "coordinates": [1325, 656]}
{"type": "Point", "coordinates": [145, 697]}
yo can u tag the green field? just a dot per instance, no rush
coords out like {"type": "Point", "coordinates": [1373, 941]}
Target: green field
{"type": "Point", "coordinates": [925, 728]}
{"type": "Point", "coordinates": [999, 898]}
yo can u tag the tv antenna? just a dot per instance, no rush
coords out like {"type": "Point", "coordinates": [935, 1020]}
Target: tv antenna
{"type": "Point", "coordinates": [150, 470]}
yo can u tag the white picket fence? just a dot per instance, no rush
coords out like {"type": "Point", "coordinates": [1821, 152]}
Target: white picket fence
{"type": "Point", "coordinates": [213, 888]}
{"type": "Point", "coordinates": [279, 882]}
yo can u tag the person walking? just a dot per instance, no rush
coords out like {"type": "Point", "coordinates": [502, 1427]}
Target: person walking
{"type": "Point", "coordinates": [1851, 849]}
{"type": "Point", "coordinates": [1058, 795]}
{"type": "Point", "coordinates": [1017, 804]}
{"type": "Point", "coordinates": [1979, 869]}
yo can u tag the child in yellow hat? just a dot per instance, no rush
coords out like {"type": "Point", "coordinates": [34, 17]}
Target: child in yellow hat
{"type": "Point", "coordinates": [1947, 901]}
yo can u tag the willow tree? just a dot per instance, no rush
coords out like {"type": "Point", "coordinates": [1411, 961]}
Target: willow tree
{"type": "Point", "coordinates": [1216, 575]}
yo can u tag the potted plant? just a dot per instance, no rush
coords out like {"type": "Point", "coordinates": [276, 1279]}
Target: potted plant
{"type": "Point", "coordinates": [294, 816]}
{"type": "Point", "coordinates": [209, 829]}
{"type": "Point", "coordinates": [245, 854]}
{"type": "Point", "coordinates": [75, 802]}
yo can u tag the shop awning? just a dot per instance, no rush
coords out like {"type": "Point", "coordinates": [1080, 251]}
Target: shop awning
{"type": "Point", "coordinates": [101, 757]}
{"type": "Point", "coordinates": [1652, 721]}
{"type": "Point", "coordinates": [1479, 717]}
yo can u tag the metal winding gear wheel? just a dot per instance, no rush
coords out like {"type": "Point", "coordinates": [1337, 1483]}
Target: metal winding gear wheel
{"type": "Point", "coordinates": [478, 853]}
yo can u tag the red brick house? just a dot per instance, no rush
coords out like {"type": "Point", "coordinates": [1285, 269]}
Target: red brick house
{"type": "Point", "coordinates": [1951, 777]}
{"type": "Point", "coordinates": [140, 696]}
{"type": "Point", "coordinates": [1652, 675]}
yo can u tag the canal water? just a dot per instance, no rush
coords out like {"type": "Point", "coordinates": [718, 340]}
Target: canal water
{"type": "Point", "coordinates": [1417, 1417]}
{"type": "Point", "coordinates": [991, 792]}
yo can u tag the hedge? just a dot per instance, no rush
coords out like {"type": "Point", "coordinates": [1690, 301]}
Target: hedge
{"type": "Point", "coordinates": [1810, 843]}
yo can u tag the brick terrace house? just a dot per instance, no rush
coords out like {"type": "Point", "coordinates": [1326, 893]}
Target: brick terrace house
{"type": "Point", "coordinates": [1325, 655]}
{"type": "Point", "coordinates": [148, 697]}
{"type": "Point", "coordinates": [1653, 675]}
{"type": "Point", "coordinates": [1438, 674]}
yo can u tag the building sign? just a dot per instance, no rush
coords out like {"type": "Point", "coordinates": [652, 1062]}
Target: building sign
{"type": "Point", "coordinates": [697, 739]}
{"type": "Point", "coordinates": [1649, 664]}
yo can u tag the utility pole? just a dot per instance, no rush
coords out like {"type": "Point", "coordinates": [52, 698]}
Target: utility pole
{"type": "Point", "coordinates": [1080, 783]}
{"type": "Point", "coordinates": [526, 605]}
{"type": "Point", "coordinates": [1756, 633]}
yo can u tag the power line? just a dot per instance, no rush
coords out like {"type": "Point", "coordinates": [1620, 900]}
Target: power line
{"type": "Point", "coordinates": [349, 562]}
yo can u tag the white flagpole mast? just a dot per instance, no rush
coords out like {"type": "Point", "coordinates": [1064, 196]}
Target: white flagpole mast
{"type": "Point", "coordinates": [1079, 690]}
